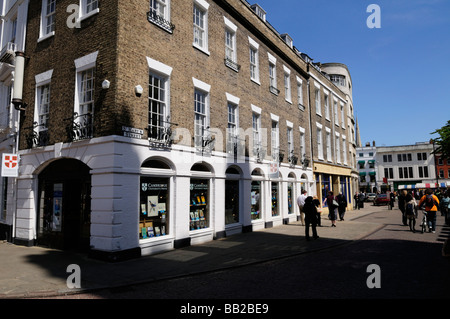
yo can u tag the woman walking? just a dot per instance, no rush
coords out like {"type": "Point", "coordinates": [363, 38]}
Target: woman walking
{"type": "Point", "coordinates": [411, 212]}
{"type": "Point", "coordinates": [332, 204]}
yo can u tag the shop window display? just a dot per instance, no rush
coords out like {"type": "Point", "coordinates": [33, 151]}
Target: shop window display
{"type": "Point", "coordinates": [154, 205]}
{"type": "Point", "coordinates": [231, 202]}
{"type": "Point", "coordinates": [199, 204]}
{"type": "Point", "coordinates": [256, 200]}
{"type": "Point", "coordinates": [275, 211]}
{"type": "Point", "coordinates": [290, 194]}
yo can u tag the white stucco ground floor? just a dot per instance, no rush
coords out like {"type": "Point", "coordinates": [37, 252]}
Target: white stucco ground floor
{"type": "Point", "coordinates": [118, 198]}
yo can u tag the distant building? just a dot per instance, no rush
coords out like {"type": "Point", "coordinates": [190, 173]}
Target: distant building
{"type": "Point", "coordinates": [366, 165]}
{"type": "Point", "coordinates": [442, 169]}
{"type": "Point", "coordinates": [405, 165]}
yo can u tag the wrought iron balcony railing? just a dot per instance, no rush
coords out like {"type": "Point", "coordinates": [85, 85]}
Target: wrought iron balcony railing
{"type": "Point", "coordinates": [161, 134]}
{"type": "Point", "coordinates": [80, 127]}
{"type": "Point", "coordinates": [232, 65]}
{"type": "Point", "coordinates": [154, 17]}
{"type": "Point", "coordinates": [37, 138]}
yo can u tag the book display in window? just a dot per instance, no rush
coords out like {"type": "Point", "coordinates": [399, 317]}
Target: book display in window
{"type": "Point", "coordinates": [199, 205]}
{"type": "Point", "coordinates": [154, 200]}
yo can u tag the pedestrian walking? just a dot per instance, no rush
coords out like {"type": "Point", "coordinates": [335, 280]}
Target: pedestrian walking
{"type": "Point", "coordinates": [310, 218]}
{"type": "Point", "coordinates": [401, 206]}
{"type": "Point", "coordinates": [301, 202]}
{"type": "Point", "coordinates": [332, 204]}
{"type": "Point", "coordinates": [316, 203]}
{"type": "Point", "coordinates": [342, 201]}
{"type": "Point", "coordinates": [361, 198]}
{"type": "Point", "coordinates": [356, 198]}
{"type": "Point", "coordinates": [431, 203]}
{"type": "Point", "coordinates": [391, 200]}
{"type": "Point", "coordinates": [411, 211]}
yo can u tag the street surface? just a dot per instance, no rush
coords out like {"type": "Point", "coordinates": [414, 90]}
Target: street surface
{"type": "Point", "coordinates": [411, 265]}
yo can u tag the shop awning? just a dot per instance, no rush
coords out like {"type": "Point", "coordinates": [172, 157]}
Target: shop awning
{"type": "Point", "coordinates": [406, 186]}
{"type": "Point", "coordinates": [433, 185]}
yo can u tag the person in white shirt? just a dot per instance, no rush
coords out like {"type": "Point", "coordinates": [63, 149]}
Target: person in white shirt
{"type": "Point", "coordinates": [301, 203]}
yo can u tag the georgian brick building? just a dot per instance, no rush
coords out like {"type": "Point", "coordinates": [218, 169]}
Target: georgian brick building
{"type": "Point", "coordinates": [152, 125]}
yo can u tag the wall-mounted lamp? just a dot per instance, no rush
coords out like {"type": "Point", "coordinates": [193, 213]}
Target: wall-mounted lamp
{"type": "Point", "coordinates": [106, 84]}
{"type": "Point", "coordinates": [138, 90]}
{"type": "Point", "coordinates": [19, 71]}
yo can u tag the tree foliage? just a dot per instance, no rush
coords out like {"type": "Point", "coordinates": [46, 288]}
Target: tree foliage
{"type": "Point", "coordinates": [443, 141]}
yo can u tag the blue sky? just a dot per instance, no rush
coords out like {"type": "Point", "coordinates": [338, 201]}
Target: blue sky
{"type": "Point", "coordinates": [400, 72]}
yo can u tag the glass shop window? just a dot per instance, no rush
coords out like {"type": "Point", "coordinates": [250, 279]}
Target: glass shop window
{"type": "Point", "coordinates": [154, 207]}
{"type": "Point", "coordinates": [231, 202]}
{"type": "Point", "coordinates": [275, 210]}
{"type": "Point", "coordinates": [199, 204]}
{"type": "Point", "coordinates": [256, 200]}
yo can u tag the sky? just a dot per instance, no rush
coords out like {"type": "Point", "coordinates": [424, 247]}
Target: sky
{"type": "Point", "coordinates": [400, 71]}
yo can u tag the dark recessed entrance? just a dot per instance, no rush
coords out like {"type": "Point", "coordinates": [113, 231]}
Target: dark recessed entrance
{"type": "Point", "coordinates": [64, 208]}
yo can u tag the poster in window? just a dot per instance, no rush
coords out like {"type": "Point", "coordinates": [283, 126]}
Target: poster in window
{"type": "Point", "coordinates": [57, 207]}
{"type": "Point", "coordinates": [152, 206]}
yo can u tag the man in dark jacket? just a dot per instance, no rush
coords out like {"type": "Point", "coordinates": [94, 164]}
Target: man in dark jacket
{"type": "Point", "coordinates": [310, 211]}
{"type": "Point", "coordinates": [342, 201]}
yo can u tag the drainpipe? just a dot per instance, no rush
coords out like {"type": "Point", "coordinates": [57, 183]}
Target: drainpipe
{"type": "Point", "coordinates": [311, 149]}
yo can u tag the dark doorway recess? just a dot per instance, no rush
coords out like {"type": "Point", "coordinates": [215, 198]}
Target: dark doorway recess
{"type": "Point", "coordinates": [64, 205]}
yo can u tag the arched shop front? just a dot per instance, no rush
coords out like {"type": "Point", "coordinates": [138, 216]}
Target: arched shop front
{"type": "Point", "coordinates": [64, 205]}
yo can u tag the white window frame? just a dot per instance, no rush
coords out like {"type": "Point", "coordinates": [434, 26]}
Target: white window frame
{"type": "Point", "coordinates": [328, 142]}
{"type": "Point", "coordinates": [290, 141]}
{"type": "Point", "coordinates": [335, 110]}
{"type": "Point", "coordinates": [161, 8]}
{"type": "Point", "coordinates": [159, 14]}
{"type": "Point", "coordinates": [319, 141]}
{"type": "Point", "coordinates": [83, 64]}
{"type": "Point", "coordinates": [200, 33]}
{"type": "Point", "coordinates": [302, 143]}
{"type": "Point", "coordinates": [256, 127]}
{"type": "Point", "coordinates": [326, 102]}
{"type": "Point", "coordinates": [45, 15]}
{"type": "Point", "coordinates": [287, 85]}
{"type": "Point", "coordinates": [163, 72]}
{"type": "Point", "coordinates": [230, 40]}
{"type": "Point", "coordinates": [317, 99]}
{"type": "Point", "coordinates": [203, 89]}
{"type": "Point", "coordinates": [254, 64]}
{"type": "Point", "coordinates": [300, 93]}
{"type": "Point", "coordinates": [232, 127]}
{"type": "Point", "coordinates": [84, 14]}
{"type": "Point", "coordinates": [343, 116]}
{"type": "Point", "coordinates": [273, 74]}
{"type": "Point", "coordinates": [42, 80]}
{"type": "Point", "coordinates": [275, 136]}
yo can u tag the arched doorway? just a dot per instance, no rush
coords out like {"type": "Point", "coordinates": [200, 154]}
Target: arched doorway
{"type": "Point", "coordinates": [64, 207]}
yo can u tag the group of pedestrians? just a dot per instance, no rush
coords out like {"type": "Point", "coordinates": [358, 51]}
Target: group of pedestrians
{"type": "Point", "coordinates": [428, 202]}
{"type": "Point", "coordinates": [310, 211]}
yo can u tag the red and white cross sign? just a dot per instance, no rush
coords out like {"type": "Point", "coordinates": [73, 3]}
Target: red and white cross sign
{"type": "Point", "coordinates": [10, 165]}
